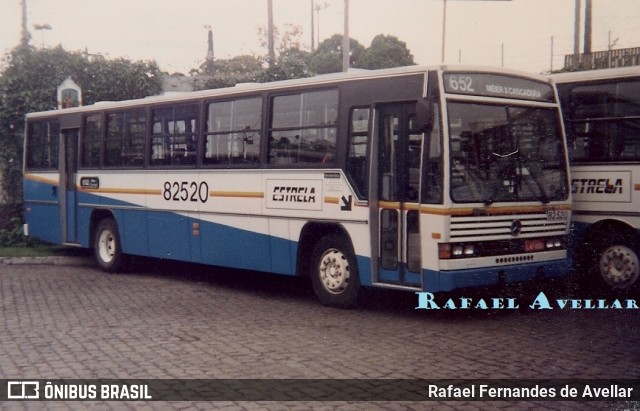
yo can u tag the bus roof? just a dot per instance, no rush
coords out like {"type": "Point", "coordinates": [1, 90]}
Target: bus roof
{"type": "Point", "coordinates": [244, 88]}
{"type": "Point", "coordinates": [589, 75]}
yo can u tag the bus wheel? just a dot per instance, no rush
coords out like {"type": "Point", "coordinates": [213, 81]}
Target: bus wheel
{"type": "Point", "coordinates": [618, 266]}
{"type": "Point", "coordinates": [334, 272]}
{"type": "Point", "coordinates": [106, 246]}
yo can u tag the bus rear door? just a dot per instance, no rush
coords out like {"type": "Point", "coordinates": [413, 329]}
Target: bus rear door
{"type": "Point", "coordinates": [67, 189]}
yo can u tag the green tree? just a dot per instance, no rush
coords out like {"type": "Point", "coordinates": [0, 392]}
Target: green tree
{"type": "Point", "coordinates": [240, 69]}
{"type": "Point", "coordinates": [328, 56]}
{"type": "Point", "coordinates": [385, 52]}
{"type": "Point", "coordinates": [29, 83]}
{"type": "Point", "coordinates": [290, 64]}
{"type": "Point", "coordinates": [291, 61]}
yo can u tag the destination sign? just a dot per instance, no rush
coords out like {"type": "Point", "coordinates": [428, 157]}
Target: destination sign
{"type": "Point", "coordinates": [497, 85]}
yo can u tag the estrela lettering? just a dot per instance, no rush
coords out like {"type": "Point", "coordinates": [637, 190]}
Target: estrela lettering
{"type": "Point", "coordinates": [289, 194]}
{"type": "Point", "coordinates": [596, 186]}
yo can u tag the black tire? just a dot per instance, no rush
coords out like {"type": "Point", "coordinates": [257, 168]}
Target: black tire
{"type": "Point", "coordinates": [106, 246]}
{"type": "Point", "coordinates": [614, 266]}
{"type": "Point", "coordinates": [334, 272]}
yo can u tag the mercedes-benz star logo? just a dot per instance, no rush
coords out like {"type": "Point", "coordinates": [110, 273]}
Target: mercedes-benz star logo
{"type": "Point", "coordinates": [516, 227]}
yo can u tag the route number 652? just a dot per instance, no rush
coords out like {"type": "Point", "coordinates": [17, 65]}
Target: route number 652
{"type": "Point", "coordinates": [461, 83]}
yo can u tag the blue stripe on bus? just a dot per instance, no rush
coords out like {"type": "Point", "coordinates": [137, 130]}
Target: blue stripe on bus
{"type": "Point", "coordinates": [47, 226]}
{"type": "Point", "coordinates": [167, 234]}
{"type": "Point", "coordinates": [164, 234]}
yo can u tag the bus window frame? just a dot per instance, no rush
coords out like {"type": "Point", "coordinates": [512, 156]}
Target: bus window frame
{"type": "Point", "coordinates": [269, 129]}
{"type": "Point", "coordinates": [205, 133]}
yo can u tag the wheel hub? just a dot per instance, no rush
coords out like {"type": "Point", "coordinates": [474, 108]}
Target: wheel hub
{"type": "Point", "coordinates": [334, 271]}
{"type": "Point", "coordinates": [106, 246]}
{"type": "Point", "coordinates": [619, 266]}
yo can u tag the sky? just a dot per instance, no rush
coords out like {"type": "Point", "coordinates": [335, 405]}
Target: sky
{"type": "Point", "coordinates": [515, 34]}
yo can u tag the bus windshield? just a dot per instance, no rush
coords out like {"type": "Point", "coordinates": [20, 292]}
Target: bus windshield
{"type": "Point", "coordinates": [505, 154]}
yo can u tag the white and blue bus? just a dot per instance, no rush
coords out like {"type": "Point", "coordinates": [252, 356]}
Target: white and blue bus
{"type": "Point", "coordinates": [602, 118]}
{"type": "Point", "coordinates": [422, 179]}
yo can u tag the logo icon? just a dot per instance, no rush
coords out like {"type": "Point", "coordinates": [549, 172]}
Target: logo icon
{"type": "Point", "coordinates": [516, 227]}
{"type": "Point", "coordinates": [19, 390]}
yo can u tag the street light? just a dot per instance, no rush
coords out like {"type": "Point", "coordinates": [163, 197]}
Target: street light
{"type": "Point", "coordinates": [42, 27]}
{"type": "Point", "coordinates": [315, 23]}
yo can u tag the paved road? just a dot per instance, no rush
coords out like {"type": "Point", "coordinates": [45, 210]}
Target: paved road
{"type": "Point", "coordinates": [169, 320]}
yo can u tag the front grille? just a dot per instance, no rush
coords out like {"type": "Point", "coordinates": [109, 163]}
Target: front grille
{"type": "Point", "coordinates": [478, 228]}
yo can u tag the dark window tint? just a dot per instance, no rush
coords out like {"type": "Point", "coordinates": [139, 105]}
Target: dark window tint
{"type": "Point", "coordinates": [304, 129]}
{"type": "Point", "coordinates": [126, 133]}
{"type": "Point", "coordinates": [174, 135]}
{"type": "Point", "coordinates": [42, 146]}
{"type": "Point", "coordinates": [233, 132]}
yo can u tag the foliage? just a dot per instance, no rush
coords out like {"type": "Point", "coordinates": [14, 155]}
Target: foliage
{"type": "Point", "coordinates": [11, 234]}
{"type": "Point", "coordinates": [241, 69]}
{"type": "Point", "coordinates": [385, 52]}
{"type": "Point", "coordinates": [292, 61]}
{"type": "Point", "coordinates": [290, 39]}
{"type": "Point", "coordinates": [29, 83]}
{"type": "Point", "coordinates": [328, 56]}
{"type": "Point", "coordinates": [290, 64]}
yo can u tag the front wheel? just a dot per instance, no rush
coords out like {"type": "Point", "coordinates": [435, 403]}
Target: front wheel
{"type": "Point", "coordinates": [334, 272]}
{"type": "Point", "coordinates": [106, 246]}
{"type": "Point", "coordinates": [618, 265]}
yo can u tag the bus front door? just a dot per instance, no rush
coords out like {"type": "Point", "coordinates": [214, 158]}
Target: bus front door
{"type": "Point", "coordinates": [67, 185]}
{"type": "Point", "coordinates": [398, 213]}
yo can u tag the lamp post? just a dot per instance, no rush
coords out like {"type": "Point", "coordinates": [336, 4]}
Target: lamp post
{"type": "Point", "coordinates": [315, 22]}
{"type": "Point", "coordinates": [444, 24]}
{"type": "Point", "coordinates": [345, 38]}
{"type": "Point", "coordinates": [42, 28]}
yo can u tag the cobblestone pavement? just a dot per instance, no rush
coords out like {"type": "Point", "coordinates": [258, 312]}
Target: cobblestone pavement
{"type": "Point", "coordinates": [169, 320]}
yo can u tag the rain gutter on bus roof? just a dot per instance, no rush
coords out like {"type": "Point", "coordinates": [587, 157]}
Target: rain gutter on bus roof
{"type": "Point", "coordinates": [328, 79]}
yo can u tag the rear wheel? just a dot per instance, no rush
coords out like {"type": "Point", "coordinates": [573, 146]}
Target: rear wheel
{"type": "Point", "coordinates": [106, 246]}
{"type": "Point", "coordinates": [334, 272]}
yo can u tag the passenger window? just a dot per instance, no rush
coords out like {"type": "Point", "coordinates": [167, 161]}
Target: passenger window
{"type": "Point", "coordinates": [126, 132]}
{"type": "Point", "coordinates": [91, 141]}
{"type": "Point", "coordinates": [358, 149]}
{"type": "Point", "coordinates": [304, 129]}
{"type": "Point", "coordinates": [174, 135]}
{"type": "Point", "coordinates": [233, 132]}
{"type": "Point", "coordinates": [43, 144]}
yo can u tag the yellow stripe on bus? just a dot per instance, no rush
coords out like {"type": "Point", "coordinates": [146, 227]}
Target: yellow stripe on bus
{"type": "Point", "coordinates": [120, 191]}
{"type": "Point", "coordinates": [41, 179]}
{"type": "Point", "coordinates": [470, 211]}
{"type": "Point", "coordinates": [238, 194]}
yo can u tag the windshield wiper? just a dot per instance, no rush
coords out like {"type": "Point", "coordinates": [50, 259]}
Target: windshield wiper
{"type": "Point", "coordinates": [502, 175]}
{"type": "Point", "coordinates": [543, 197]}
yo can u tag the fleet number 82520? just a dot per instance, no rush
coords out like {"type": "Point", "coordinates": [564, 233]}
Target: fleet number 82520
{"type": "Point", "coordinates": [186, 191]}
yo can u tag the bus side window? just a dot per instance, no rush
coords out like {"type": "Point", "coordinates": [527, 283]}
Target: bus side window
{"type": "Point", "coordinates": [42, 144]}
{"type": "Point", "coordinates": [91, 142]}
{"type": "Point", "coordinates": [303, 128]}
{"type": "Point", "coordinates": [233, 132]}
{"type": "Point", "coordinates": [174, 135]}
{"type": "Point", "coordinates": [358, 149]}
{"type": "Point", "coordinates": [432, 177]}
